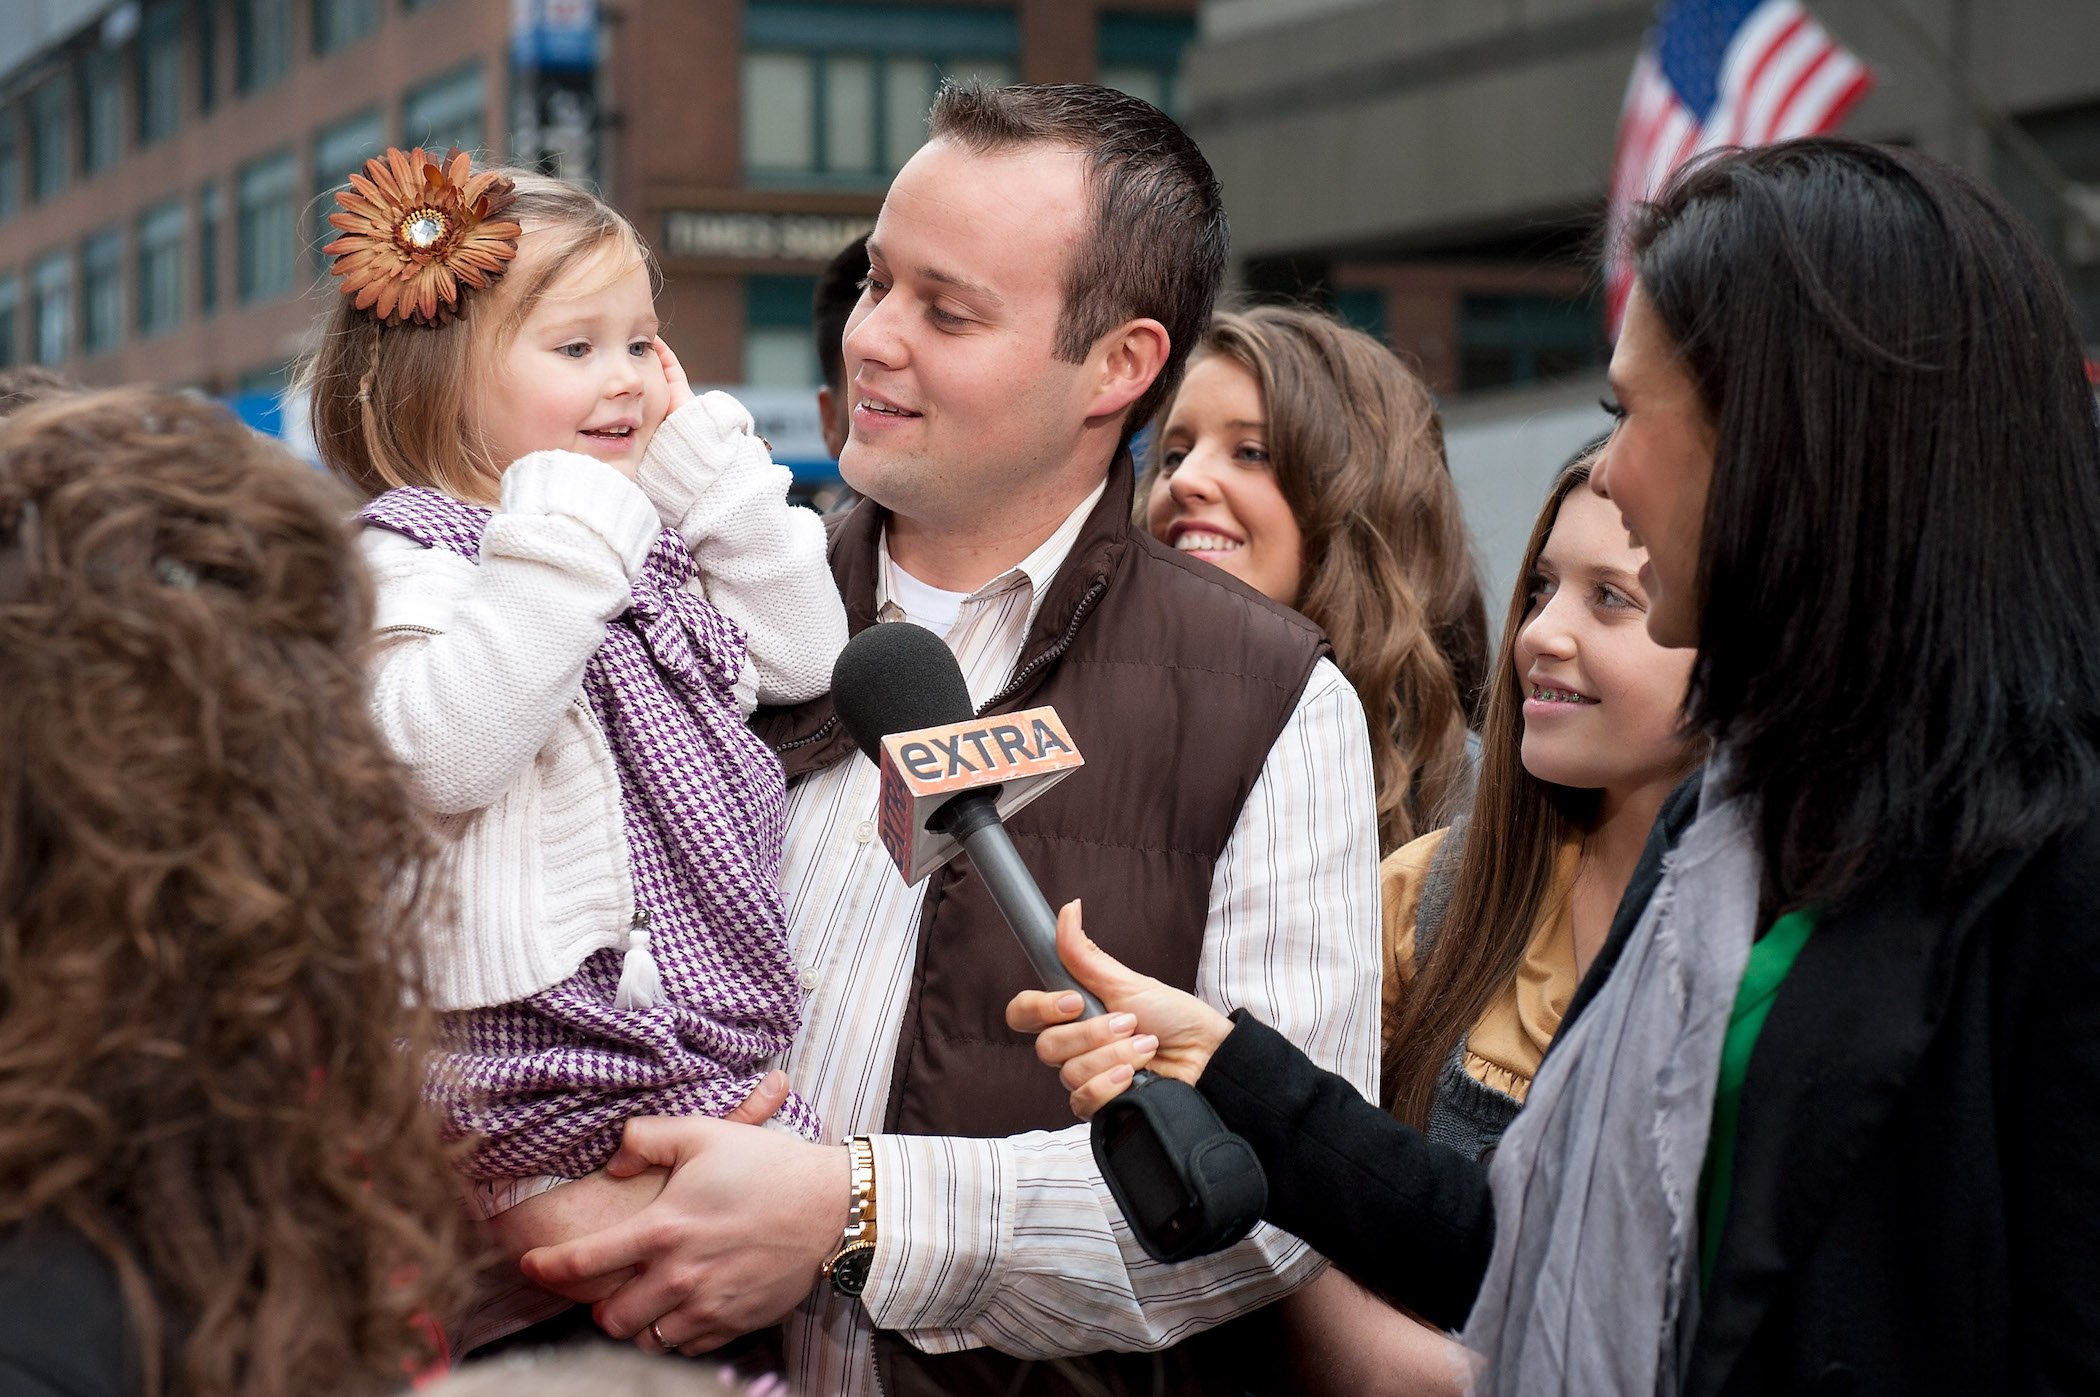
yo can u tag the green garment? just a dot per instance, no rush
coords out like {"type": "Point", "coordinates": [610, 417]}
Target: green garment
{"type": "Point", "coordinates": [1770, 960]}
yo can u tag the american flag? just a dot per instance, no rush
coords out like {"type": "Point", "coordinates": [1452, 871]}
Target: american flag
{"type": "Point", "coordinates": [1722, 73]}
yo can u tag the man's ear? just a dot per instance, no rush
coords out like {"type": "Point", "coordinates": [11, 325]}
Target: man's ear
{"type": "Point", "coordinates": [1131, 357]}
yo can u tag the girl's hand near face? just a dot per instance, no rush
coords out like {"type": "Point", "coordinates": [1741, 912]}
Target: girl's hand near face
{"type": "Point", "coordinates": [674, 376]}
{"type": "Point", "coordinates": [1148, 1024]}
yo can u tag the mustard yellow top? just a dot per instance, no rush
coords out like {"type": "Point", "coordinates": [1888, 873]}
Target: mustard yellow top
{"type": "Point", "coordinates": [1504, 1048]}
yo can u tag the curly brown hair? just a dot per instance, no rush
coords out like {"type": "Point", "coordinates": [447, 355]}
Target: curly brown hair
{"type": "Point", "coordinates": [209, 863]}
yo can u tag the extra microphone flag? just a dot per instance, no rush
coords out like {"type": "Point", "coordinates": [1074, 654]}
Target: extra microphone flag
{"type": "Point", "coordinates": [1021, 754]}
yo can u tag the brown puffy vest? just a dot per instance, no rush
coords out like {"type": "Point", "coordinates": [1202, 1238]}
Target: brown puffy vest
{"type": "Point", "coordinates": [1174, 680]}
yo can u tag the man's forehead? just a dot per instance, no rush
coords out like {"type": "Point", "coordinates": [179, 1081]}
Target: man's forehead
{"type": "Point", "coordinates": [965, 217]}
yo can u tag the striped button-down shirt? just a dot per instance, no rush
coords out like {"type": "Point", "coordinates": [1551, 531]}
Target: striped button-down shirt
{"type": "Point", "coordinates": [1014, 1243]}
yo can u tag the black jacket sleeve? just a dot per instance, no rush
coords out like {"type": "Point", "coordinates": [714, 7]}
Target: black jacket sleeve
{"type": "Point", "coordinates": [63, 1331]}
{"type": "Point", "coordinates": [1404, 1216]}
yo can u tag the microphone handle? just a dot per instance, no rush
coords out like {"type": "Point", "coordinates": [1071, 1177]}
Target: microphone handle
{"type": "Point", "coordinates": [1014, 888]}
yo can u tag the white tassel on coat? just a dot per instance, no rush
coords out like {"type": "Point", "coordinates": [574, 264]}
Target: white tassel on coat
{"type": "Point", "coordinates": [641, 983]}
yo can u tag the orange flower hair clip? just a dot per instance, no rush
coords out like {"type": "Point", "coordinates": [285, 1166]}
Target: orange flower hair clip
{"type": "Point", "coordinates": [417, 234]}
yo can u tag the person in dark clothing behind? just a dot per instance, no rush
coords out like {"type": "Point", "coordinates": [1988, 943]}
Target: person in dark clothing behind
{"type": "Point", "coordinates": [838, 292]}
{"type": "Point", "coordinates": [1824, 1116]}
{"type": "Point", "coordinates": [217, 1178]}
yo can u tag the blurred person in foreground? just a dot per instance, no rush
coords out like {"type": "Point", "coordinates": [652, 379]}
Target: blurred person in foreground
{"type": "Point", "coordinates": [28, 384]}
{"type": "Point", "coordinates": [217, 1177]}
{"type": "Point", "coordinates": [1825, 1113]}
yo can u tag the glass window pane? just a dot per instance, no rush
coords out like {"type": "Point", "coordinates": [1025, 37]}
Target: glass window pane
{"type": "Point", "coordinates": [780, 357]}
{"type": "Point", "coordinates": [779, 98]}
{"type": "Point", "coordinates": [49, 136]}
{"type": "Point", "coordinates": [262, 40]}
{"type": "Point", "coordinates": [446, 112]}
{"type": "Point", "coordinates": [102, 113]}
{"type": "Point", "coordinates": [54, 308]}
{"type": "Point", "coordinates": [160, 267]}
{"type": "Point", "coordinates": [10, 321]}
{"type": "Point", "coordinates": [907, 95]}
{"type": "Point", "coordinates": [340, 150]}
{"type": "Point", "coordinates": [205, 15]}
{"type": "Point", "coordinates": [211, 220]}
{"type": "Point", "coordinates": [1145, 84]}
{"type": "Point", "coordinates": [160, 72]}
{"type": "Point", "coordinates": [102, 281]}
{"type": "Point", "coordinates": [340, 22]}
{"type": "Point", "coordinates": [265, 232]}
{"type": "Point", "coordinates": [10, 164]}
{"type": "Point", "coordinates": [849, 113]}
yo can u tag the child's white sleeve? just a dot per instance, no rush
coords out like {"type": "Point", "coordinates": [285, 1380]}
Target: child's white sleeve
{"type": "Point", "coordinates": [477, 664]}
{"type": "Point", "coordinates": [761, 560]}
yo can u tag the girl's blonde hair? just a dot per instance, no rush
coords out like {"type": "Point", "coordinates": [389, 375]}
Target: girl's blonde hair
{"type": "Point", "coordinates": [391, 402]}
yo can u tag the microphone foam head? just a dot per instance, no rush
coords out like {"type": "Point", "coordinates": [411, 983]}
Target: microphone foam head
{"type": "Point", "coordinates": [897, 678]}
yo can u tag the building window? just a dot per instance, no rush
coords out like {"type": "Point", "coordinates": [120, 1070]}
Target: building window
{"type": "Point", "coordinates": [102, 291]}
{"type": "Point", "coordinates": [837, 93]}
{"type": "Point", "coordinates": [262, 42]}
{"type": "Point", "coordinates": [266, 227]}
{"type": "Point", "coordinates": [341, 22]}
{"type": "Point", "coordinates": [54, 308]}
{"type": "Point", "coordinates": [1359, 307]}
{"type": "Point", "coordinates": [101, 112]}
{"type": "Point", "coordinates": [160, 72]}
{"type": "Point", "coordinates": [446, 112]}
{"type": "Point", "coordinates": [1141, 55]}
{"type": "Point", "coordinates": [1505, 340]}
{"type": "Point", "coordinates": [10, 320]}
{"type": "Point", "coordinates": [778, 349]}
{"type": "Point", "coordinates": [205, 14]}
{"type": "Point", "coordinates": [211, 221]}
{"type": "Point", "coordinates": [50, 138]}
{"type": "Point", "coordinates": [339, 150]}
{"type": "Point", "coordinates": [160, 267]}
{"type": "Point", "coordinates": [10, 163]}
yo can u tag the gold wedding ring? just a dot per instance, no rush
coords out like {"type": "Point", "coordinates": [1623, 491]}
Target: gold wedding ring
{"type": "Point", "coordinates": [658, 1335]}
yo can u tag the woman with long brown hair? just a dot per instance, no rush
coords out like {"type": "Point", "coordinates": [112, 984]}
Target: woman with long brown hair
{"type": "Point", "coordinates": [1305, 459]}
{"type": "Point", "coordinates": [216, 1173]}
{"type": "Point", "coordinates": [1490, 924]}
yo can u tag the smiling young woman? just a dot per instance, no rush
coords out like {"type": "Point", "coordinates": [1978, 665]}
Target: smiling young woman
{"type": "Point", "coordinates": [1306, 460]}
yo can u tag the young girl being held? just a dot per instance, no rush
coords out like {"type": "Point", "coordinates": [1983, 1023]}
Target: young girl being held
{"type": "Point", "coordinates": [586, 577]}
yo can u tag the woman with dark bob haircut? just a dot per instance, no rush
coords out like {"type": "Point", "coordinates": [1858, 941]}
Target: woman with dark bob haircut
{"type": "Point", "coordinates": [1824, 1115]}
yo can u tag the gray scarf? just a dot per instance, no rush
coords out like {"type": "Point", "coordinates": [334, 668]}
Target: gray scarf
{"type": "Point", "coordinates": [1593, 1283]}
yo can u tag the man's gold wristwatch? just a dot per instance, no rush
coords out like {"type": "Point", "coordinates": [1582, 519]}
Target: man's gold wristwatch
{"type": "Point", "coordinates": [848, 1268]}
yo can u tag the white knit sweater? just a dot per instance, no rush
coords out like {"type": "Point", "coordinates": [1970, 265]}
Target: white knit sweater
{"type": "Point", "coordinates": [478, 678]}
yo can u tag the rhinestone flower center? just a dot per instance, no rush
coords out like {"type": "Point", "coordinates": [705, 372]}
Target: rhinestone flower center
{"type": "Point", "coordinates": [423, 230]}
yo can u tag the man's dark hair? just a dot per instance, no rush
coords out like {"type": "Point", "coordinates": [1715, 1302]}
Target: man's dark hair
{"type": "Point", "coordinates": [838, 292]}
{"type": "Point", "coordinates": [1897, 574]}
{"type": "Point", "coordinates": [1158, 239]}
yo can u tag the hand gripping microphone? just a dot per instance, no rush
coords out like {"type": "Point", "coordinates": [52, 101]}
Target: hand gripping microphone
{"type": "Point", "coordinates": [1186, 1185]}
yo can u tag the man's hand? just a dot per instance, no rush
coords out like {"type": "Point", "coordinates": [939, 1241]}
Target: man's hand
{"type": "Point", "coordinates": [1148, 1023]}
{"type": "Point", "coordinates": [736, 1239]}
{"type": "Point", "coordinates": [598, 1200]}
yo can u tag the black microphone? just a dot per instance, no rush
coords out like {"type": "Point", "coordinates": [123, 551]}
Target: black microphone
{"type": "Point", "coordinates": [1186, 1185]}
